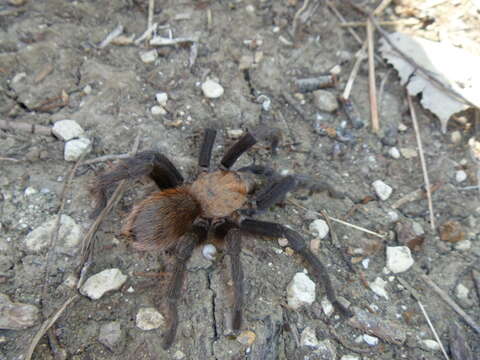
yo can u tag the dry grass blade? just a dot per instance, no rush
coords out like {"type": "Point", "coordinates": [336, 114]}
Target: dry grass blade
{"type": "Point", "coordinates": [424, 312]}
{"type": "Point", "coordinates": [371, 79]}
{"type": "Point", "coordinates": [359, 57]}
{"type": "Point", "coordinates": [31, 128]}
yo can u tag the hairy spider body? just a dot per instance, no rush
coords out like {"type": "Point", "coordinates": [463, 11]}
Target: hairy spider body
{"type": "Point", "coordinates": [181, 215]}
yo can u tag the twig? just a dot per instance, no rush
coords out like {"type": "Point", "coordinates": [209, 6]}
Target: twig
{"type": "Point", "coordinates": [115, 33]}
{"type": "Point", "coordinates": [339, 221]}
{"type": "Point", "coordinates": [163, 41]}
{"type": "Point", "coordinates": [371, 79]}
{"type": "Point", "coordinates": [415, 195]}
{"type": "Point", "coordinates": [151, 8]}
{"type": "Point", "coordinates": [2, 158]}
{"type": "Point", "coordinates": [433, 329]}
{"type": "Point", "coordinates": [382, 88]}
{"type": "Point", "coordinates": [297, 15]}
{"type": "Point", "coordinates": [363, 23]}
{"type": "Point", "coordinates": [422, 160]}
{"type": "Point", "coordinates": [359, 57]}
{"type": "Point", "coordinates": [382, 6]}
{"type": "Point", "coordinates": [105, 158]}
{"type": "Point", "coordinates": [31, 128]}
{"type": "Point", "coordinates": [452, 303]}
{"type": "Point", "coordinates": [146, 34]}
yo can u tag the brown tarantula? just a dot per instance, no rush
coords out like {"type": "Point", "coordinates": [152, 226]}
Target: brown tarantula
{"type": "Point", "coordinates": [220, 202]}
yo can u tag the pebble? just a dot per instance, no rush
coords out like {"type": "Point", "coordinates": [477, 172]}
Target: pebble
{"type": "Point", "coordinates": [111, 335]}
{"type": "Point", "coordinates": [350, 357]}
{"type": "Point", "coordinates": [463, 245]}
{"type": "Point", "coordinates": [67, 130]}
{"type": "Point", "coordinates": [394, 153]}
{"type": "Point", "coordinates": [300, 291]}
{"type": "Point", "coordinates": [212, 89]}
{"type": "Point", "coordinates": [393, 215]}
{"type": "Point", "coordinates": [162, 98]}
{"type": "Point", "coordinates": [209, 252]}
{"type": "Point", "coordinates": [265, 101]}
{"type": "Point", "coordinates": [234, 133]}
{"type": "Point", "coordinates": [417, 228]}
{"type": "Point", "coordinates": [315, 245]}
{"type": "Point", "coordinates": [308, 338]}
{"type": "Point", "coordinates": [107, 280]}
{"type": "Point", "coordinates": [319, 228]}
{"type": "Point", "coordinates": [246, 337]}
{"type": "Point", "coordinates": [365, 263]}
{"type": "Point", "coordinates": [76, 148]}
{"type": "Point", "coordinates": [30, 191]}
{"type": "Point", "coordinates": [158, 110]}
{"type": "Point", "coordinates": [15, 315]}
{"type": "Point", "coordinates": [378, 287]}
{"type": "Point", "coordinates": [325, 101]}
{"type": "Point", "coordinates": [178, 355]}
{"type": "Point", "coordinates": [370, 340]}
{"type": "Point", "coordinates": [430, 344]}
{"type": "Point", "coordinates": [327, 307]}
{"type": "Point", "coordinates": [456, 137]}
{"type": "Point", "coordinates": [87, 89]}
{"type": "Point", "coordinates": [69, 235]}
{"type": "Point", "coordinates": [245, 62]}
{"type": "Point", "coordinates": [390, 136]}
{"type": "Point", "coordinates": [399, 258]}
{"type": "Point", "coordinates": [460, 176]}
{"type": "Point", "coordinates": [149, 56]}
{"type": "Point", "coordinates": [462, 292]}
{"type": "Point", "coordinates": [402, 127]}
{"type": "Point", "coordinates": [408, 153]}
{"type": "Point", "coordinates": [149, 319]}
{"type": "Point", "coordinates": [282, 242]}
{"type": "Point", "coordinates": [382, 190]}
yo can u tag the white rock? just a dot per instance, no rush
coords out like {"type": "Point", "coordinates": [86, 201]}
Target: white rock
{"type": "Point", "coordinates": [370, 340]}
{"type": "Point", "coordinates": [234, 133]}
{"type": "Point", "coordinates": [76, 148]}
{"type": "Point", "coordinates": [149, 56]}
{"type": "Point", "coordinates": [350, 357]}
{"type": "Point", "coordinates": [456, 137]}
{"type": "Point", "coordinates": [402, 127]}
{"type": "Point", "coordinates": [87, 89]}
{"type": "Point", "coordinates": [378, 287]}
{"type": "Point", "coordinates": [319, 228]}
{"type": "Point", "coordinates": [212, 89]}
{"type": "Point", "coordinates": [30, 191]}
{"type": "Point", "coordinates": [209, 252]}
{"type": "Point", "coordinates": [107, 280]}
{"type": "Point", "coordinates": [462, 291]}
{"type": "Point", "coordinates": [399, 258]}
{"type": "Point", "coordinates": [18, 77]}
{"type": "Point", "coordinates": [162, 98]}
{"type": "Point", "coordinates": [382, 190]}
{"type": "Point", "coordinates": [394, 153]}
{"type": "Point", "coordinates": [282, 242]}
{"type": "Point", "coordinates": [460, 176]}
{"type": "Point", "coordinates": [417, 228]}
{"type": "Point", "coordinates": [431, 344]}
{"type": "Point", "coordinates": [308, 338]}
{"type": "Point", "coordinates": [463, 245]}
{"type": "Point", "coordinates": [67, 130]}
{"type": "Point", "coordinates": [300, 291]}
{"type": "Point", "coordinates": [158, 110]}
{"type": "Point", "coordinates": [325, 101]}
{"type": "Point", "coordinates": [327, 306]}
{"type": "Point", "coordinates": [110, 335]}
{"type": "Point", "coordinates": [393, 215]}
{"type": "Point", "coordinates": [178, 355]}
{"type": "Point", "coordinates": [365, 263]}
{"type": "Point", "coordinates": [409, 153]}
{"type": "Point", "coordinates": [149, 318]}
{"type": "Point", "coordinates": [69, 235]}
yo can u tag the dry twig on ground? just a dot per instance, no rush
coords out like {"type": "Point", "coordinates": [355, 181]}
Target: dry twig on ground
{"type": "Point", "coordinates": [31, 128]}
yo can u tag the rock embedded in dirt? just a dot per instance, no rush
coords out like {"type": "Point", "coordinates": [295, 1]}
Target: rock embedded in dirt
{"type": "Point", "coordinates": [327, 307]}
{"type": "Point", "coordinates": [75, 148]}
{"type": "Point", "coordinates": [350, 357]}
{"type": "Point", "coordinates": [456, 137]}
{"type": "Point", "coordinates": [16, 315]}
{"type": "Point", "coordinates": [158, 110]}
{"type": "Point", "coordinates": [430, 344]}
{"type": "Point", "coordinates": [69, 236]}
{"type": "Point", "coordinates": [370, 340]}
{"type": "Point", "coordinates": [325, 101]}
{"type": "Point", "coordinates": [209, 252]}
{"type": "Point", "coordinates": [460, 176]}
{"type": "Point", "coordinates": [67, 130]}
{"type": "Point", "coordinates": [211, 89]}
{"type": "Point", "coordinates": [378, 287]}
{"type": "Point", "coordinates": [319, 228]}
{"type": "Point", "coordinates": [111, 335]}
{"type": "Point", "coordinates": [408, 153]}
{"type": "Point", "coordinates": [308, 338]}
{"type": "Point", "coordinates": [394, 153]}
{"type": "Point", "coordinates": [149, 319]}
{"type": "Point", "coordinates": [149, 56]}
{"type": "Point", "coordinates": [300, 291]}
{"type": "Point", "coordinates": [99, 284]}
{"type": "Point", "coordinates": [382, 190]}
{"type": "Point", "coordinates": [162, 98]}
{"type": "Point", "coordinates": [399, 259]}
{"type": "Point", "coordinates": [246, 337]}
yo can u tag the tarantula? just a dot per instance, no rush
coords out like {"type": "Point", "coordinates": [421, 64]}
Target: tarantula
{"type": "Point", "coordinates": [220, 202]}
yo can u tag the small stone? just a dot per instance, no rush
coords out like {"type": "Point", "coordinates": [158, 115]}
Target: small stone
{"type": "Point", "coordinates": [365, 263]}
{"type": "Point", "coordinates": [250, 8]}
{"type": "Point", "coordinates": [234, 133]}
{"type": "Point", "coordinates": [149, 319]}
{"type": "Point", "coordinates": [209, 252]}
{"type": "Point", "coordinates": [107, 280]}
{"type": "Point", "coordinates": [282, 242]}
{"type": "Point", "coordinates": [350, 357]}
{"type": "Point", "coordinates": [15, 315]}
{"type": "Point", "coordinates": [178, 355]}
{"type": "Point", "coordinates": [460, 176]}
{"type": "Point", "coordinates": [149, 56]}
{"type": "Point", "coordinates": [463, 245]}
{"type": "Point", "coordinates": [69, 235]}
{"type": "Point", "coordinates": [408, 153]}
{"type": "Point", "coordinates": [19, 77]}
{"type": "Point", "coordinates": [417, 228]}
{"type": "Point", "coordinates": [289, 251]}
{"type": "Point", "coordinates": [370, 340]}
{"type": "Point", "coordinates": [74, 149]}
{"type": "Point", "coordinates": [162, 98]}
{"type": "Point", "coordinates": [246, 337]}
{"type": "Point", "coordinates": [325, 101]}
{"type": "Point", "coordinates": [378, 287]}
{"type": "Point", "coordinates": [315, 245]}
{"type": "Point", "coordinates": [245, 62]}
{"type": "Point", "coordinates": [430, 344]}
{"type": "Point", "coordinates": [327, 306]}
{"type": "Point", "coordinates": [158, 110]}
{"type": "Point", "coordinates": [87, 89]}
{"type": "Point", "coordinates": [67, 130]}
{"type": "Point", "coordinates": [394, 153]}
{"type": "Point", "coordinates": [212, 89]}
{"type": "Point", "coordinates": [300, 291]}
{"type": "Point", "coordinates": [71, 281]}
{"type": "Point", "coordinates": [382, 190]}
{"type": "Point", "coordinates": [393, 215]}
{"type": "Point", "coordinates": [402, 127]}
{"type": "Point", "coordinates": [111, 335]}
{"type": "Point", "coordinates": [399, 258]}
{"type": "Point", "coordinates": [308, 338]}
{"type": "Point", "coordinates": [456, 137]}
{"type": "Point", "coordinates": [30, 191]}
{"type": "Point", "coordinates": [319, 228]}
{"type": "Point", "coordinates": [462, 292]}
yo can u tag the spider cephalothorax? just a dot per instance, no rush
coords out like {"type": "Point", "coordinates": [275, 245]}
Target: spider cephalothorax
{"type": "Point", "coordinates": [182, 214]}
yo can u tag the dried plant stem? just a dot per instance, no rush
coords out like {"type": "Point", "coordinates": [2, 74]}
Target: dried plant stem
{"type": "Point", "coordinates": [371, 79]}
{"type": "Point", "coordinates": [359, 57]}
{"type": "Point", "coordinates": [31, 128]}
{"type": "Point", "coordinates": [151, 8]}
{"type": "Point", "coordinates": [297, 15]}
{"type": "Point", "coordinates": [3, 158]}
{"type": "Point", "coordinates": [363, 23]}
{"type": "Point", "coordinates": [433, 329]}
{"type": "Point", "coordinates": [422, 160]}
{"type": "Point", "coordinates": [415, 195]}
{"type": "Point", "coordinates": [452, 303]}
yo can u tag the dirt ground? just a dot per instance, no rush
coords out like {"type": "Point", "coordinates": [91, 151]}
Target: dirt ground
{"type": "Point", "coordinates": [50, 48]}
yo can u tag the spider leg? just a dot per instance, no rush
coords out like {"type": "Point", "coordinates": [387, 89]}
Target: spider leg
{"type": "Point", "coordinates": [298, 244]}
{"type": "Point", "coordinates": [206, 149]}
{"type": "Point", "coordinates": [183, 252]}
{"type": "Point", "coordinates": [151, 163]}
